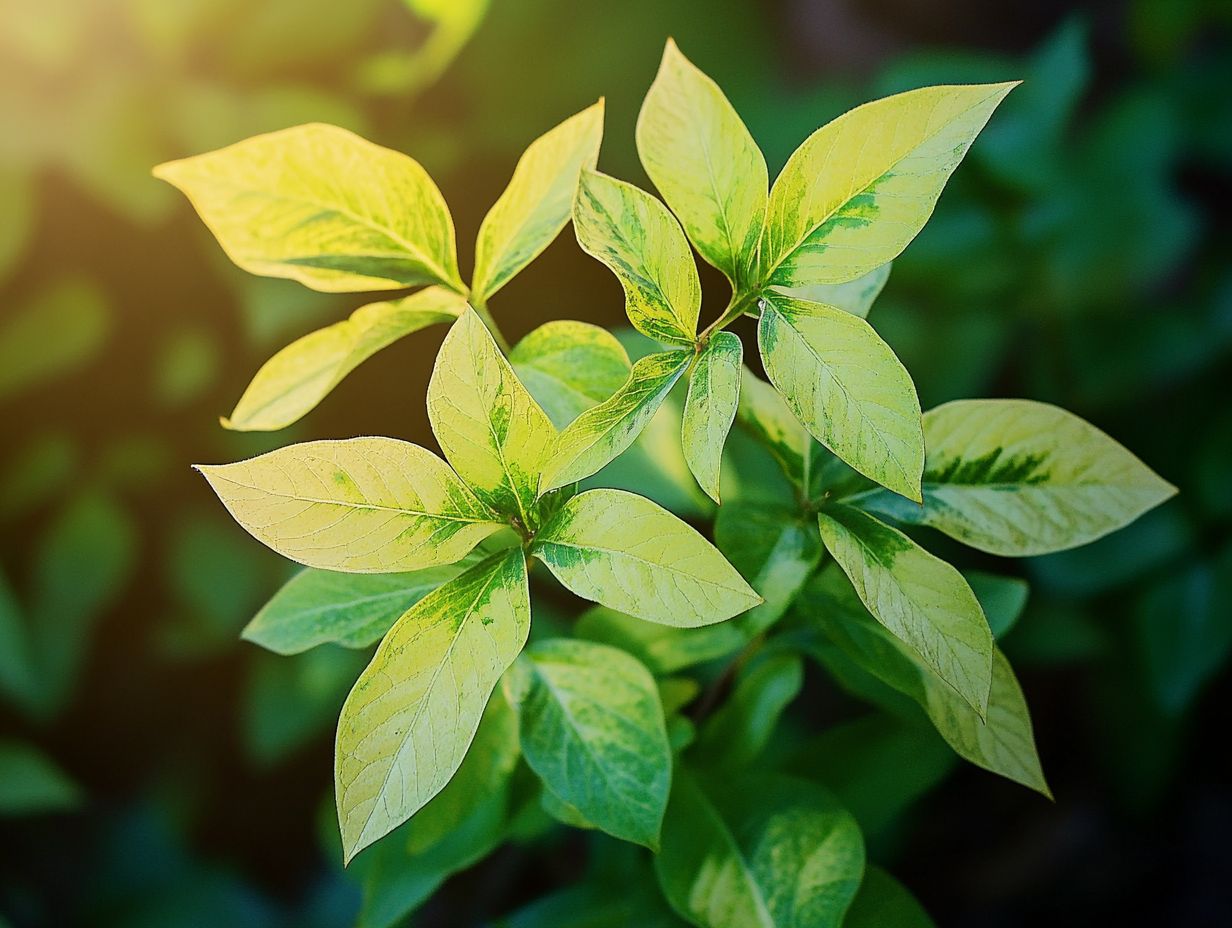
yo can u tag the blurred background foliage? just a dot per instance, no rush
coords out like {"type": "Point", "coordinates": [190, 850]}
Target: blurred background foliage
{"type": "Point", "coordinates": [156, 771]}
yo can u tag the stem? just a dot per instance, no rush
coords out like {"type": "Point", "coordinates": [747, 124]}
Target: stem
{"type": "Point", "coordinates": [710, 698]}
{"type": "Point", "coordinates": [737, 307]}
{"type": "Point", "coordinates": [481, 309]}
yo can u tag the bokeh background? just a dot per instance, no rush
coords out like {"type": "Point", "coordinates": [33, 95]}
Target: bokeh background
{"type": "Point", "coordinates": [155, 771]}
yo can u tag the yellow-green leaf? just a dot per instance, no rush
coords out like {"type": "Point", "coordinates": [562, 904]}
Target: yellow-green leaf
{"type": "Point", "coordinates": [1002, 742]}
{"type": "Point", "coordinates": [641, 242]}
{"type": "Point", "coordinates": [920, 598]}
{"type": "Point", "coordinates": [855, 194]}
{"type": "Point", "coordinates": [847, 387]}
{"type": "Point", "coordinates": [700, 155]}
{"type": "Point", "coordinates": [570, 366]}
{"type": "Point", "coordinates": [764, 414]}
{"type": "Point", "coordinates": [536, 204]}
{"type": "Point", "coordinates": [407, 724]}
{"type": "Point", "coordinates": [852, 296]}
{"type": "Point", "coordinates": [320, 205]}
{"type": "Point", "coordinates": [366, 505]}
{"type": "Point", "coordinates": [602, 432]}
{"type": "Point", "coordinates": [1020, 478]}
{"type": "Point", "coordinates": [710, 408]}
{"type": "Point", "coordinates": [629, 554]}
{"type": "Point", "coordinates": [490, 428]}
{"type": "Point", "coordinates": [302, 374]}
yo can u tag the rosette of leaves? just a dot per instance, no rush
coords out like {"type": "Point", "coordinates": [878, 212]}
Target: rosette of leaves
{"type": "Point", "coordinates": [431, 556]}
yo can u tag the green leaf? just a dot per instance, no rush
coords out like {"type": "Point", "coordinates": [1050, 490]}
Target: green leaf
{"type": "Point", "coordinates": [710, 409]}
{"type": "Point", "coordinates": [737, 734]}
{"type": "Point", "coordinates": [774, 549]}
{"type": "Point", "coordinates": [1020, 478]}
{"type": "Point", "coordinates": [82, 562]}
{"type": "Point", "coordinates": [629, 554]}
{"type": "Point", "coordinates": [592, 728]}
{"type": "Point", "coordinates": [1001, 598]}
{"type": "Point", "coordinates": [878, 765]}
{"type": "Point", "coordinates": [765, 415]}
{"type": "Point", "coordinates": [602, 432]}
{"type": "Point", "coordinates": [17, 676]}
{"type": "Point", "coordinates": [921, 599]}
{"type": "Point", "coordinates": [327, 607]}
{"type": "Point", "coordinates": [489, 427]}
{"type": "Point", "coordinates": [772, 852]}
{"type": "Point", "coordinates": [298, 377]}
{"type": "Point", "coordinates": [847, 387]}
{"type": "Point", "coordinates": [320, 205]}
{"type": "Point", "coordinates": [59, 330]}
{"type": "Point", "coordinates": [853, 296]}
{"type": "Point", "coordinates": [410, 719]}
{"type": "Point", "coordinates": [536, 204]}
{"type": "Point", "coordinates": [855, 194]}
{"type": "Point", "coordinates": [570, 366]}
{"type": "Point", "coordinates": [31, 783]}
{"type": "Point", "coordinates": [641, 243]}
{"type": "Point", "coordinates": [662, 648]}
{"type": "Point", "coordinates": [699, 154]}
{"type": "Point", "coordinates": [883, 902]}
{"type": "Point", "coordinates": [365, 505]}
{"type": "Point", "coordinates": [1001, 742]}
{"type": "Point", "coordinates": [289, 701]}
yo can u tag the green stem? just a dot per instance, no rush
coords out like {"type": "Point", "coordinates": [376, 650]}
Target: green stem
{"type": "Point", "coordinates": [481, 309]}
{"type": "Point", "coordinates": [740, 304]}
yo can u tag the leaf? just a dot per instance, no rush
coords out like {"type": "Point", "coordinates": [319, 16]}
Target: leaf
{"type": "Point", "coordinates": [320, 205]}
{"type": "Point", "coordinates": [1001, 598]}
{"type": "Point", "coordinates": [710, 409]}
{"type": "Point", "coordinates": [765, 415]}
{"type": "Point", "coordinates": [569, 366]}
{"type": "Point", "coordinates": [883, 902]}
{"type": "Point", "coordinates": [82, 562]}
{"type": "Point", "coordinates": [919, 598]}
{"type": "Point", "coordinates": [290, 701]}
{"type": "Point", "coordinates": [61, 329]}
{"type": "Point", "coordinates": [738, 733]}
{"type": "Point", "coordinates": [699, 154]}
{"type": "Point", "coordinates": [365, 505]}
{"type": "Point", "coordinates": [847, 387]}
{"type": "Point", "coordinates": [536, 204]}
{"type": "Point", "coordinates": [877, 765]}
{"type": "Point", "coordinates": [490, 429]}
{"type": "Point", "coordinates": [592, 729]}
{"type": "Point", "coordinates": [774, 550]}
{"type": "Point", "coordinates": [766, 851]}
{"type": "Point", "coordinates": [463, 823]}
{"type": "Point", "coordinates": [853, 296]}
{"type": "Point", "coordinates": [662, 648]}
{"type": "Point", "coordinates": [602, 432]}
{"type": "Point", "coordinates": [1020, 478]}
{"type": "Point", "coordinates": [629, 554]}
{"type": "Point", "coordinates": [31, 783]}
{"type": "Point", "coordinates": [855, 194]}
{"type": "Point", "coordinates": [641, 243]}
{"type": "Point", "coordinates": [1001, 742]}
{"type": "Point", "coordinates": [326, 607]}
{"type": "Point", "coordinates": [17, 676]}
{"type": "Point", "coordinates": [408, 722]}
{"type": "Point", "coordinates": [298, 377]}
